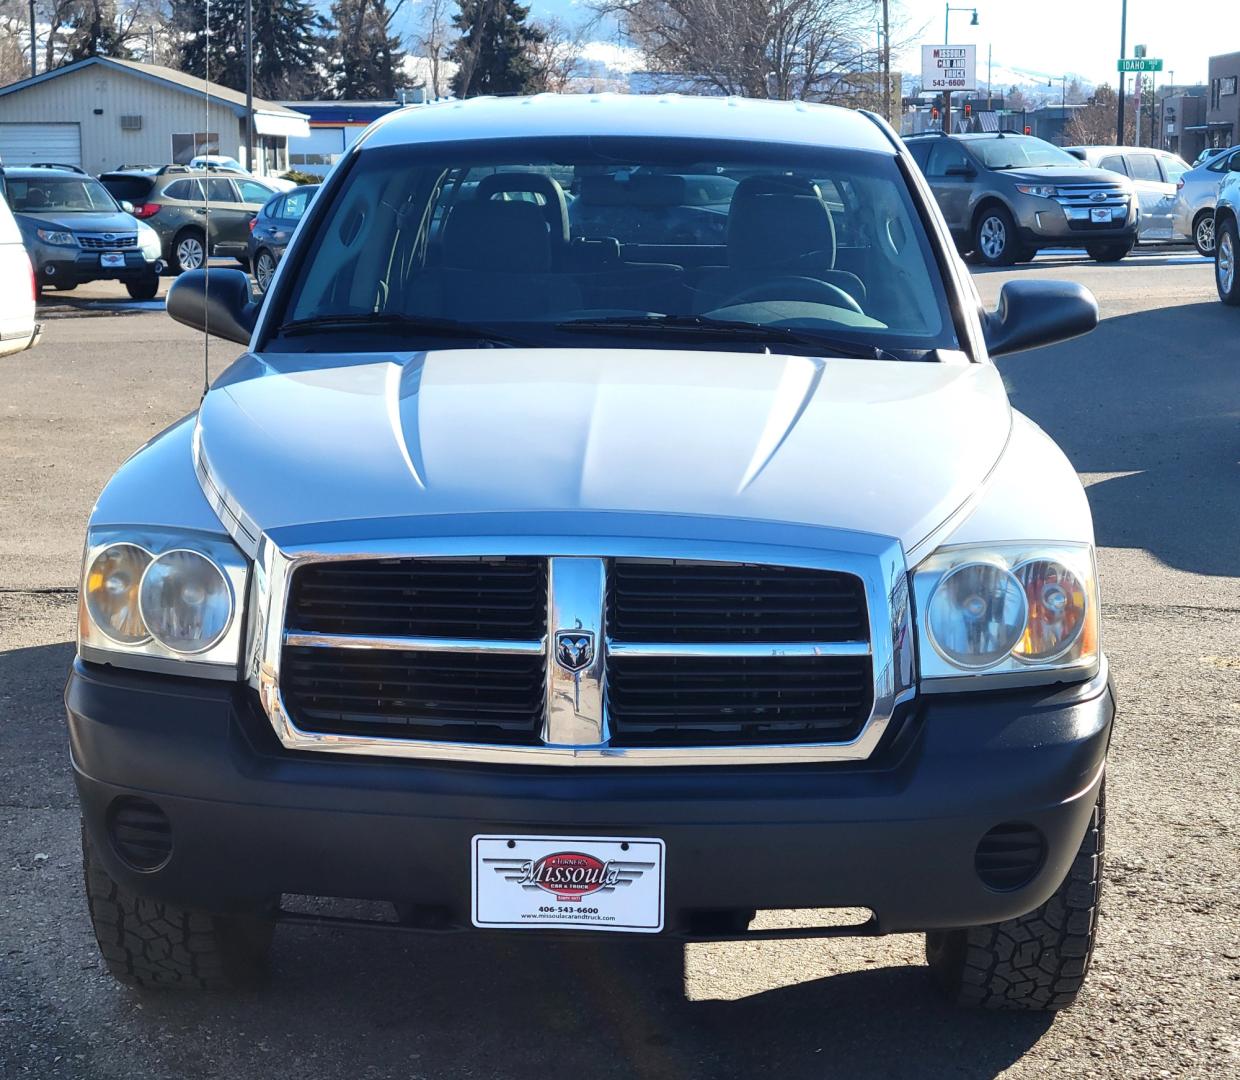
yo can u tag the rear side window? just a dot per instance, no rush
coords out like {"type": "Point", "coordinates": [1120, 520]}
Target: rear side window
{"type": "Point", "coordinates": [252, 192]}
{"type": "Point", "coordinates": [220, 191]}
{"type": "Point", "coordinates": [294, 205]}
{"type": "Point", "coordinates": [187, 190]}
{"type": "Point", "coordinates": [1144, 167]}
{"type": "Point", "coordinates": [1113, 163]}
{"type": "Point", "coordinates": [132, 188]}
{"type": "Point", "coordinates": [1173, 169]}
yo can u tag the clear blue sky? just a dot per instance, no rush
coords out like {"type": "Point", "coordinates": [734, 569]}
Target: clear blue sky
{"type": "Point", "coordinates": [1082, 36]}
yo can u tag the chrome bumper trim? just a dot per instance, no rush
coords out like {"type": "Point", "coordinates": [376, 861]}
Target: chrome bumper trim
{"type": "Point", "coordinates": [415, 644]}
{"type": "Point", "coordinates": [738, 649]}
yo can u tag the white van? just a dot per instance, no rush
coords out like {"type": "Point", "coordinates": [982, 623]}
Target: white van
{"type": "Point", "coordinates": [18, 330]}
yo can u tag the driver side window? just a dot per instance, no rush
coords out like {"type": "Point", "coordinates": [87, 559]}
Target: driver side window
{"type": "Point", "coordinates": [945, 155]}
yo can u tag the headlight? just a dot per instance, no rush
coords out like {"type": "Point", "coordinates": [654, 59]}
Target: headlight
{"type": "Point", "coordinates": [1007, 614]}
{"type": "Point", "coordinates": [1043, 191]}
{"type": "Point", "coordinates": [163, 601]}
{"type": "Point", "coordinates": [55, 236]}
{"type": "Point", "coordinates": [148, 240]}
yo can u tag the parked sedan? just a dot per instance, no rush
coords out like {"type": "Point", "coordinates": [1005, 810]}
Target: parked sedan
{"type": "Point", "coordinates": [1195, 198]}
{"type": "Point", "coordinates": [193, 210]}
{"type": "Point", "coordinates": [1154, 174]}
{"type": "Point", "coordinates": [271, 230]}
{"type": "Point", "coordinates": [75, 232]}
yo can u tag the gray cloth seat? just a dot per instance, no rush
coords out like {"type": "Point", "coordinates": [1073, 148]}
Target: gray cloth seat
{"type": "Point", "coordinates": [777, 226]}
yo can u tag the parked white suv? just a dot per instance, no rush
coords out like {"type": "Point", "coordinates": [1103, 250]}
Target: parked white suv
{"type": "Point", "coordinates": [18, 330]}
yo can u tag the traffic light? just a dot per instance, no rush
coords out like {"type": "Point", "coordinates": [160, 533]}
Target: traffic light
{"type": "Point", "coordinates": [1028, 130]}
{"type": "Point", "coordinates": [968, 109]}
{"type": "Point", "coordinates": [934, 113]}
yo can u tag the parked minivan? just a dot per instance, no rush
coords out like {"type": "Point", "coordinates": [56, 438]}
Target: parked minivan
{"type": "Point", "coordinates": [1154, 173]}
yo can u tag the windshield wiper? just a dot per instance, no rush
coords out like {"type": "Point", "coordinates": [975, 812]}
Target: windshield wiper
{"type": "Point", "coordinates": [724, 328]}
{"type": "Point", "coordinates": [405, 324]}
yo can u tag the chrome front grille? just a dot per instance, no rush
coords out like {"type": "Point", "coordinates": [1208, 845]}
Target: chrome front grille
{"type": "Point", "coordinates": [1082, 195]}
{"type": "Point", "coordinates": [101, 242]}
{"type": "Point", "coordinates": [586, 658]}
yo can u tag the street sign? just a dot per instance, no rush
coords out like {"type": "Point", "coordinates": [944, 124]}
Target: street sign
{"type": "Point", "coordinates": [1140, 63]}
{"type": "Point", "coordinates": [948, 67]}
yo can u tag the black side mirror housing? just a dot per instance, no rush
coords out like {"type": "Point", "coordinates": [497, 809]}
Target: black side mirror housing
{"type": "Point", "coordinates": [1035, 313]}
{"type": "Point", "coordinates": [218, 302]}
{"type": "Point", "coordinates": [960, 170]}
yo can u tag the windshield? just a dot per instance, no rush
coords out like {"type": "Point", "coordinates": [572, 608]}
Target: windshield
{"type": "Point", "coordinates": [632, 240]}
{"type": "Point", "coordinates": [78, 194]}
{"type": "Point", "coordinates": [1022, 152]}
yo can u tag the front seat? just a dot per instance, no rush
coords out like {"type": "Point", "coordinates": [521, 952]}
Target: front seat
{"type": "Point", "coordinates": [778, 226]}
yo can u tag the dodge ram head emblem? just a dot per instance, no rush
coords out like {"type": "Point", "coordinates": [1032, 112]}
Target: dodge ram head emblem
{"type": "Point", "coordinates": [574, 649]}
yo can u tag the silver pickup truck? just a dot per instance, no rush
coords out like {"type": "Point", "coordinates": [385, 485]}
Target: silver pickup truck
{"type": "Point", "coordinates": [536, 581]}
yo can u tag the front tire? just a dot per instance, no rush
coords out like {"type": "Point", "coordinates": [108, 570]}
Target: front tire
{"type": "Point", "coordinates": [1111, 253]}
{"type": "Point", "coordinates": [994, 238]}
{"type": "Point", "coordinates": [158, 946]}
{"type": "Point", "coordinates": [1038, 961]}
{"type": "Point", "coordinates": [1203, 233]}
{"type": "Point", "coordinates": [146, 288]}
{"type": "Point", "coordinates": [189, 250]}
{"type": "Point", "coordinates": [1227, 251]}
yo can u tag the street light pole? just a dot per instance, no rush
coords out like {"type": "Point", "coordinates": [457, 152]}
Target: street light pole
{"type": "Point", "coordinates": [1123, 52]}
{"type": "Point", "coordinates": [34, 49]}
{"type": "Point", "coordinates": [249, 85]}
{"type": "Point", "coordinates": [886, 63]}
{"type": "Point", "coordinates": [947, 94]}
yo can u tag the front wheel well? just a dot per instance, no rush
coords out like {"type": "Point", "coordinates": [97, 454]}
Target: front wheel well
{"type": "Point", "coordinates": [1223, 213]}
{"type": "Point", "coordinates": [991, 202]}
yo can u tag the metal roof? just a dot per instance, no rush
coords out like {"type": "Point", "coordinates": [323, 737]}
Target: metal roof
{"type": "Point", "coordinates": [668, 116]}
{"type": "Point", "coordinates": [178, 80]}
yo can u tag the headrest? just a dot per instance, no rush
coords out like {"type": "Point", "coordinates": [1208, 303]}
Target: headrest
{"type": "Point", "coordinates": [776, 220]}
{"type": "Point", "coordinates": [555, 205]}
{"type": "Point", "coordinates": [497, 236]}
{"type": "Point", "coordinates": [638, 189]}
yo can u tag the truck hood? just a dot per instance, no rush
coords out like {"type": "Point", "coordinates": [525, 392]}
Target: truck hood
{"type": "Point", "coordinates": [882, 447]}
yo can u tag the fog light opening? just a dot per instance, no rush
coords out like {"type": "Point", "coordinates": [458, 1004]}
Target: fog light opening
{"type": "Point", "coordinates": [140, 832]}
{"type": "Point", "coordinates": [1010, 856]}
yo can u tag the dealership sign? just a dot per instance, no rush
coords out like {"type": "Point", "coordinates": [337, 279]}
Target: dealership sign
{"type": "Point", "coordinates": [948, 67]}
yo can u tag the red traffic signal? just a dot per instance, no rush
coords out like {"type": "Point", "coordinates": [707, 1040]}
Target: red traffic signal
{"type": "Point", "coordinates": [1028, 130]}
{"type": "Point", "coordinates": [934, 114]}
{"type": "Point", "coordinates": [968, 109]}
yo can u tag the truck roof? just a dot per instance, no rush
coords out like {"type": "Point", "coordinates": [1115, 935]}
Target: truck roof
{"type": "Point", "coordinates": [668, 115]}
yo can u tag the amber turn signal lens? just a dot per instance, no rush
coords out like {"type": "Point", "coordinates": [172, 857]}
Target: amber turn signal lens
{"type": "Point", "coordinates": [111, 592]}
{"type": "Point", "coordinates": [1058, 610]}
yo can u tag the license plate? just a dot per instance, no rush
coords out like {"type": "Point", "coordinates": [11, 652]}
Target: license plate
{"type": "Point", "coordinates": [1100, 214]}
{"type": "Point", "coordinates": [112, 259]}
{"type": "Point", "coordinates": [568, 882]}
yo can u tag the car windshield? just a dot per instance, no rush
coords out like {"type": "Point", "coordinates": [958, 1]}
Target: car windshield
{"type": "Point", "coordinates": [636, 242]}
{"type": "Point", "coordinates": [77, 194]}
{"type": "Point", "coordinates": [1022, 152]}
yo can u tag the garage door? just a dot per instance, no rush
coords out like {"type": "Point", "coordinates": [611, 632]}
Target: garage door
{"type": "Point", "coordinates": [24, 144]}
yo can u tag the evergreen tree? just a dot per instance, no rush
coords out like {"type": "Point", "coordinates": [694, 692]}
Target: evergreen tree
{"type": "Point", "coordinates": [95, 32]}
{"type": "Point", "coordinates": [289, 56]}
{"type": "Point", "coordinates": [366, 55]}
{"type": "Point", "coordinates": [494, 51]}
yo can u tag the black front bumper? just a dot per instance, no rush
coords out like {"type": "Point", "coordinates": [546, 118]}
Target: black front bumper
{"type": "Point", "coordinates": [87, 267]}
{"type": "Point", "coordinates": [896, 834]}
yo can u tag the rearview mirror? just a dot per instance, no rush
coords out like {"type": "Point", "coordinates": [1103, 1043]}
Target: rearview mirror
{"type": "Point", "coordinates": [1035, 313]}
{"type": "Point", "coordinates": [219, 302]}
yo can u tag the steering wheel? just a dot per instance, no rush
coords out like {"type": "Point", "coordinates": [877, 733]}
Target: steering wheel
{"type": "Point", "coordinates": [794, 287]}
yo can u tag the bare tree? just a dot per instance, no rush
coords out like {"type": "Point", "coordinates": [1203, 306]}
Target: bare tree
{"type": "Point", "coordinates": [432, 38]}
{"type": "Point", "coordinates": [1094, 124]}
{"type": "Point", "coordinates": [14, 41]}
{"type": "Point", "coordinates": [557, 56]}
{"type": "Point", "coordinates": [792, 49]}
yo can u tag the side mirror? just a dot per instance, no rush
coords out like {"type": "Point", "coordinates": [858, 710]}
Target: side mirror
{"type": "Point", "coordinates": [960, 170]}
{"type": "Point", "coordinates": [1233, 163]}
{"type": "Point", "coordinates": [127, 206]}
{"type": "Point", "coordinates": [1035, 313]}
{"type": "Point", "coordinates": [219, 302]}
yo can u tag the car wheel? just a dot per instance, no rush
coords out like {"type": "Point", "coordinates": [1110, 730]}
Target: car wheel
{"type": "Point", "coordinates": [1107, 253]}
{"type": "Point", "coordinates": [994, 237]}
{"type": "Point", "coordinates": [1037, 961]}
{"type": "Point", "coordinates": [1226, 252]}
{"type": "Point", "coordinates": [189, 251]}
{"type": "Point", "coordinates": [144, 288]}
{"type": "Point", "coordinates": [1203, 233]}
{"type": "Point", "coordinates": [157, 946]}
{"type": "Point", "coordinates": [264, 270]}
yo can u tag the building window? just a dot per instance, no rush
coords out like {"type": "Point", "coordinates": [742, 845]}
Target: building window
{"type": "Point", "coordinates": [1227, 85]}
{"type": "Point", "coordinates": [188, 145]}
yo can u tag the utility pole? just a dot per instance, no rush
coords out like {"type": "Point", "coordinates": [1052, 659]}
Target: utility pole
{"type": "Point", "coordinates": [34, 49]}
{"type": "Point", "coordinates": [887, 63]}
{"type": "Point", "coordinates": [249, 85]}
{"type": "Point", "coordinates": [1123, 52]}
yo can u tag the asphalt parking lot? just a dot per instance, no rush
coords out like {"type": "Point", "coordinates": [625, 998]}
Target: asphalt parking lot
{"type": "Point", "coordinates": [1148, 409]}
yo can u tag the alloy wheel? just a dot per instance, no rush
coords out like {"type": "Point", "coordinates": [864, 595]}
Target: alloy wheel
{"type": "Point", "coordinates": [993, 237]}
{"type": "Point", "coordinates": [264, 270]}
{"type": "Point", "coordinates": [1205, 234]}
{"type": "Point", "coordinates": [190, 253]}
{"type": "Point", "coordinates": [1225, 262]}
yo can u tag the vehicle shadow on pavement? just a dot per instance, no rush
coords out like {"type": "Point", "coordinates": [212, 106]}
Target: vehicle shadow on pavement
{"type": "Point", "coordinates": [1152, 402]}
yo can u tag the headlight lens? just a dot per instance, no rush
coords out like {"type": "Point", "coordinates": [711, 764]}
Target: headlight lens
{"type": "Point", "coordinates": [111, 592]}
{"type": "Point", "coordinates": [1006, 613]}
{"type": "Point", "coordinates": [148, 238]}
{"type": "Point", "coordinates": [977, 615]}
{"type": "Point", "coordinates": [1043, 191]}
{"type": "Point", "coordinates": [55, 236]}
{"type": "Point", "coordinates": [185, 601]}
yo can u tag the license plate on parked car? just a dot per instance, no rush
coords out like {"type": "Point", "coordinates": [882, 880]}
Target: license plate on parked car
{"type": "Point", "coordinates": [1100, 214]}
{"type": "Point", "coordinates": [111, 259]}
{"type": "Point", "coordinates": [569, 882]}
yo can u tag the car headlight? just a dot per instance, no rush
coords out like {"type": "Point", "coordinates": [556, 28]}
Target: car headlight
{"type": "Point", "coordinates": [1006, 614]}
{"type": "Point", "coordinates": [148, 240]}
{"type": "Point", "coordinates": [56, 236]}
{"type": "Point", "coordinates": [1043, 191]}
{"type": "Point", "coordinates": [163, 601]}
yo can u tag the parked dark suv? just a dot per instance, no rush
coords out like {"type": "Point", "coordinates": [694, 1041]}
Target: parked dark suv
{"type": "Point", "coordinates": [1006, 196]}
{"type": "Point", "coordinates": [174, 200]}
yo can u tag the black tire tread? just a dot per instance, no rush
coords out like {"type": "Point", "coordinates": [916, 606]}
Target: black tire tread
{"type": "Point", "coordinates": [1036, 962]}
{"type": "Point", "coordinates": [155, 945]}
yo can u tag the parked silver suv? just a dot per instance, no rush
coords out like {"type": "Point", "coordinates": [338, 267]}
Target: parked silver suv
{"type": "Point", "coordinates": [1006, 196]}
